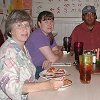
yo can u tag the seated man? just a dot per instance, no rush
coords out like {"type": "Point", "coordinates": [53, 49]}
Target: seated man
{"type": "Point", "coordinates": [87, 32]}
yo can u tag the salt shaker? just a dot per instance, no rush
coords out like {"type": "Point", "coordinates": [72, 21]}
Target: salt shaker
{"type": "Point", "coordinates": [97, 54]}
{"type": "Point", "coordinates": [94, 57]}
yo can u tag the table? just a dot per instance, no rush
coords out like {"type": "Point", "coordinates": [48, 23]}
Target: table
{"type": "Point", "coordinates": [77, 91]}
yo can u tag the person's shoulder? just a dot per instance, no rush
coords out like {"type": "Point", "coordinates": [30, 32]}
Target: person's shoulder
{"type": "Point", "coordinates": [36, 32]}
{"type": "Point", "coordinates": [34, 37]}
{"type": "Point", "coordinates": [78, 27]}
{"type": "Point", "coordinates": [7, 49]}
{"type": "Point", "coordinates": [97, 25]}
{"type": "Point", "coordinates": [98, 22]}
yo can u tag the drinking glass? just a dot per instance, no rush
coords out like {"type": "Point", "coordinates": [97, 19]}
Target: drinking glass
{"type": "Point", "coordinates": [67, 43]}
{"type": "Point", "coordinates": [78, 50]}
{"type": "Point", "coordinates": [85, 67]}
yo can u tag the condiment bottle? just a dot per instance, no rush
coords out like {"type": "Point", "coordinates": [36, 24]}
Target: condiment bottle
{"type": "Point", "coordinates": [94, 57]}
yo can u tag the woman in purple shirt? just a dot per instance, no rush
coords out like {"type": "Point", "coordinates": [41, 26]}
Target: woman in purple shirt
{"type": "Point", "coordinates": [41, 44]}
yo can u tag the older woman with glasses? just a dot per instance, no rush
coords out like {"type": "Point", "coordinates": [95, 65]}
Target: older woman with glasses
{"type": "Point", "coordinates": [17, 72]}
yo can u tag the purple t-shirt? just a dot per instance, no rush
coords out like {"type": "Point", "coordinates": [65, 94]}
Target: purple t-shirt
{"type": "Point", "coordinates": [37, 40]}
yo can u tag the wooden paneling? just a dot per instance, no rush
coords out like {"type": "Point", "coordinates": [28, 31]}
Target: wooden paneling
{"type": "Point", "coordinates": [17, 4]}
{"type": "Point", "coordinates": [23, 4]}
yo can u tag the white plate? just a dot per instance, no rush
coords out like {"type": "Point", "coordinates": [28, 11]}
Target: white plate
{"type": "Point", "coordinates": [44, 73]}
{"type": "Point", "coordinates": [68, 83]}
{"type": "Point", "coordinates": [61, 64]}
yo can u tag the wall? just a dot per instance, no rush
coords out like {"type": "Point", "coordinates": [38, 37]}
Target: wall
{"type": "Point", "coordinates": [64, 8]}
{"type": "Point", "coordinates": [67, 14]}
{"type": "Point", "coordinates": [64, 28]}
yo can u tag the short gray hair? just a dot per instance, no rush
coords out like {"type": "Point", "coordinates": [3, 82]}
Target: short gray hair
{"type": "Point", "coordinates": [17, 16]}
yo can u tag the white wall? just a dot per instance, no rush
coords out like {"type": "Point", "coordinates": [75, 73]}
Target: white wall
{"type": "Point", "coordinates": [69, 16]}
{"type": "Point", "coordinates": [64, 28]}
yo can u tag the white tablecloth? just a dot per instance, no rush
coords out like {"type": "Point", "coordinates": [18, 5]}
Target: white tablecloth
{"type": "Point", "coordinates": [77, 91]}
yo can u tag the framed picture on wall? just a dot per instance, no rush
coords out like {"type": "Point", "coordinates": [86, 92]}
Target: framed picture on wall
{"type": "Point", "coordinates": [27, 5]}
{"type": "Point", "coordinates": [23, 4]}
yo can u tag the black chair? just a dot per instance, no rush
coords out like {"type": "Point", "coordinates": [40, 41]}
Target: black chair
{"type": "Point", "coordinates": [1, 38]}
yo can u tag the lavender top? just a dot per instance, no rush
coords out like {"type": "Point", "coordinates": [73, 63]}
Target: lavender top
{"type": "Point", "coordinates": [37, 40]}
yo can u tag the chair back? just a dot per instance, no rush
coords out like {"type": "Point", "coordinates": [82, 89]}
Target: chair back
{"type": "Point", "coordinates": [1, 38]}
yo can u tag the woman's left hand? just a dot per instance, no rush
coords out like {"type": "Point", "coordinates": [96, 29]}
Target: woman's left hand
{"type": "Point", "coordinates": [56, 83]}
{"type": "Point", "coordinates": [46, 64]}
{"type": "Point", "coordinates": [58, 52]}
